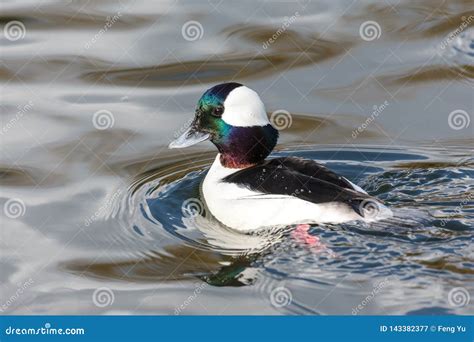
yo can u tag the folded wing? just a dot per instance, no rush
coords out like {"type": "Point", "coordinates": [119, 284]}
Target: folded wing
{"type": "Point", "coordinates": [304, 179]}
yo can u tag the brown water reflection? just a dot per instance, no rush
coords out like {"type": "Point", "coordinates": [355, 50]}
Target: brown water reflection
{"type": "Point", "coordinates": [100, 206]}
{"type": "Point", "coordinates": [233, 66]}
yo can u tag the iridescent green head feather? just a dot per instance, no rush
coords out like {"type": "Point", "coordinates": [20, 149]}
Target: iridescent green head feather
{"type": "Point", "coordinates": [233, 117]}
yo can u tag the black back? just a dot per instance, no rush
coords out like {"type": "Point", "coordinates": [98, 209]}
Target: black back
{"type": "Point", "coordinates": [301, 178]}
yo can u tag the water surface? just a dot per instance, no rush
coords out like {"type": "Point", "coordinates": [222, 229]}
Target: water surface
{"type": "Point", "coordinates": [99, 217]}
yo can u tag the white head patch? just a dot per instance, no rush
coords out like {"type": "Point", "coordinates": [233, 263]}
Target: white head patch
{"type": "Point", "coordinates": [244, 108]}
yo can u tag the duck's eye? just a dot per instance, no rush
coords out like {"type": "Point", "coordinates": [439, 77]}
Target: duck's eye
{"type": "Point", "coordinates": [218, 111]}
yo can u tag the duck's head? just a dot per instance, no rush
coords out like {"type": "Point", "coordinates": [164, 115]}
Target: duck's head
{"type": "Point", "coordinates": [233, 117]}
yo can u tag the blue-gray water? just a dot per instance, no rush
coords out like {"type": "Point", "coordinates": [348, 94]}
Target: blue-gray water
{"type": "Point", "coordinates": [98, 216]}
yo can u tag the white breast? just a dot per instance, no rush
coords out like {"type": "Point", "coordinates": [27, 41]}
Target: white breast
{"type": "Point", "coordinates": [246, 210]}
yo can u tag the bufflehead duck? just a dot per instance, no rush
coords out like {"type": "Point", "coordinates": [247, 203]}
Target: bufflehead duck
{"type": "Point", "coordinates": [244, 190]}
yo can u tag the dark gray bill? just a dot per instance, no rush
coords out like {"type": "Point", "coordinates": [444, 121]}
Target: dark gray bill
{"type": "Point", "coordinates": [189, 138]}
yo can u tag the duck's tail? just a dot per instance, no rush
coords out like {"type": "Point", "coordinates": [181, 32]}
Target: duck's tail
{"type": "Point", "coordinates": [371, 209]}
